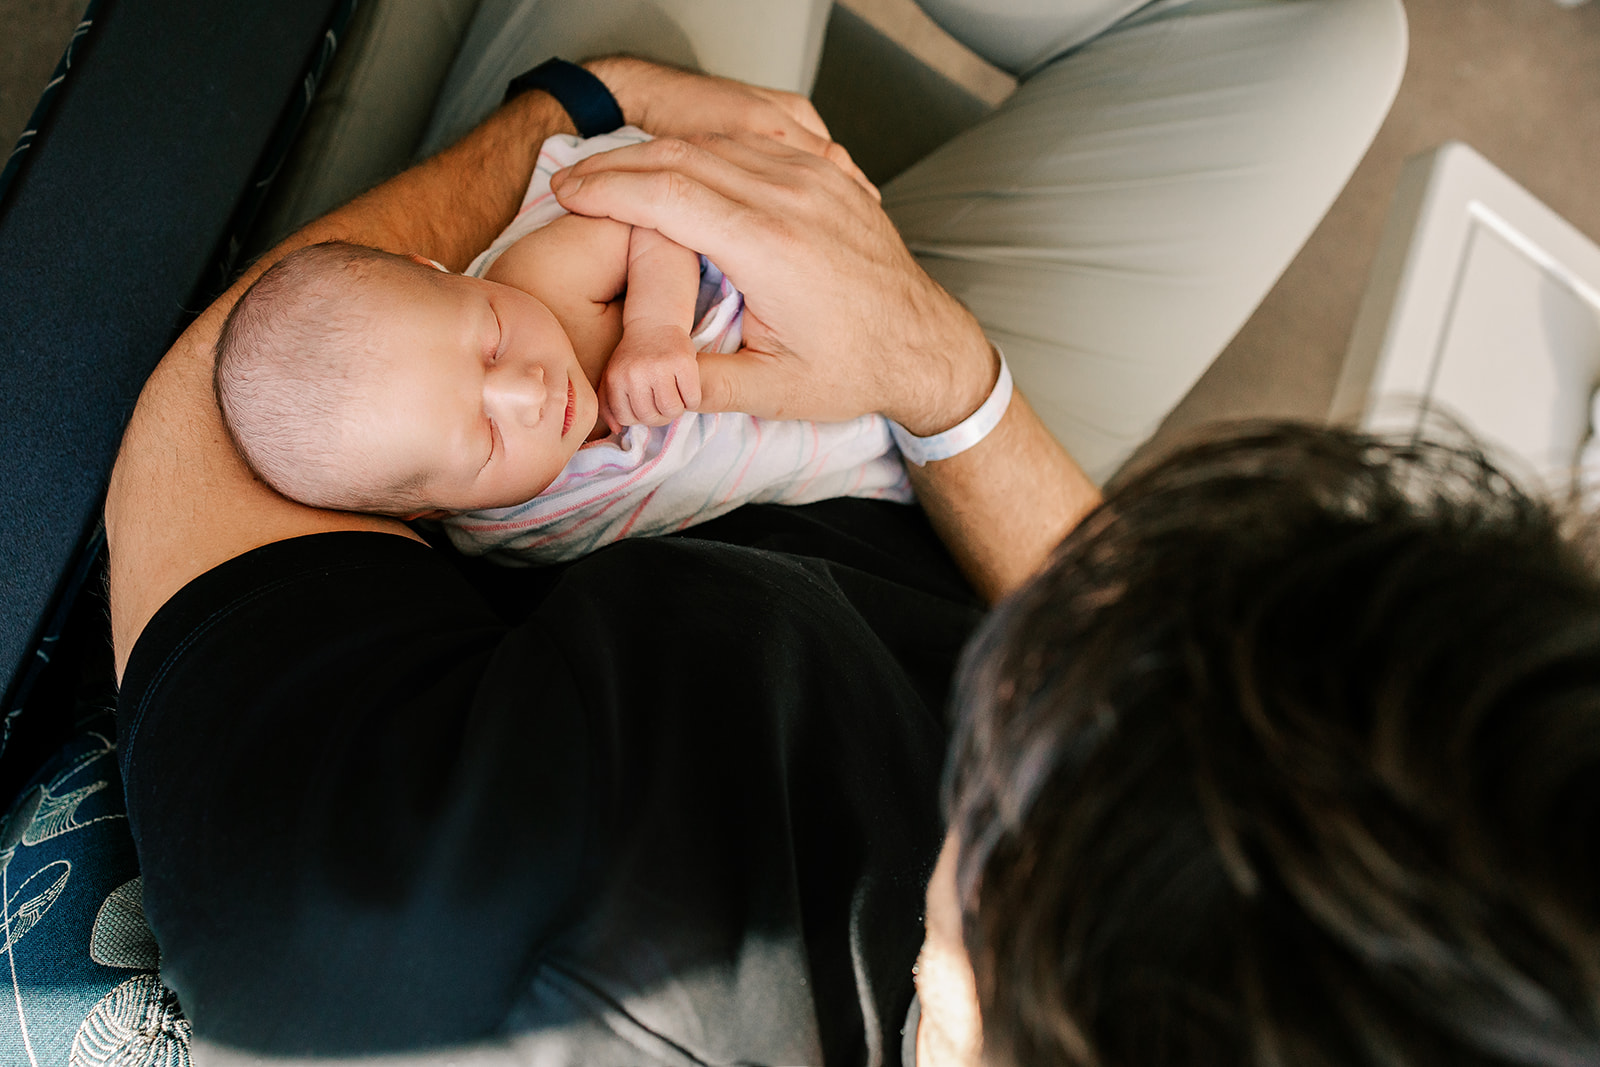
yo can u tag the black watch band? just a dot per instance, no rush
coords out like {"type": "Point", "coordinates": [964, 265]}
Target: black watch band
{"type": "Point", "coordinates": [587, 101]}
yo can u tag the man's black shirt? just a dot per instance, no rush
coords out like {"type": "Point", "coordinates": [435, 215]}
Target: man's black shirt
{"type": "Point", "coordinates": [675, 802]}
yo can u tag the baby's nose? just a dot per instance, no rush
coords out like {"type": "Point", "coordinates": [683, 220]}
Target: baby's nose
{"type": "Point", "coordinates": [519, 392]}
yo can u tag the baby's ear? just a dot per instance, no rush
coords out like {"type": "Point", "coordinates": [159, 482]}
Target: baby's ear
{"type": "Point", "coordinates": [426, 262]}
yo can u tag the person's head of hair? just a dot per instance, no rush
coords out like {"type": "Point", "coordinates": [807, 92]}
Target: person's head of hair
{"type": "Point", "coordinates": [1291, 756]}
{"type": "Point", "coordinates": [294, 361]}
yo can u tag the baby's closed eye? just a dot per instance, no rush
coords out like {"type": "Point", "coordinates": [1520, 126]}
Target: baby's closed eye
{"type": "Point", "coordinates": [496, 339]}
{"type": "Point", "coordinates": [493, 434]}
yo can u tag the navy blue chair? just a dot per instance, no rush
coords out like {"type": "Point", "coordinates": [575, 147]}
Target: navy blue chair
{"type": "Point", "coordinates": [122, 210]}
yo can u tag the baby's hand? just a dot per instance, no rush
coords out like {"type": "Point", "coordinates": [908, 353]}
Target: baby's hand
{"type": "Point", "coordinates": [652, 377]}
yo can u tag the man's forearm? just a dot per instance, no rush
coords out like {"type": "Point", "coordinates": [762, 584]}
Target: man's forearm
{"type": "Point", "coordinates": [452, 205]}
{"type": "Point", "coordinates": [180, 500]}
{"type": "Point", "coordinates": [1003, 505]}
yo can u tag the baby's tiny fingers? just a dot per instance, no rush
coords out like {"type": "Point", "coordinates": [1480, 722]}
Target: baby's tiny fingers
{"type": "Point", "coordinates": [688, 382]}
{"type": "Point", "coordinates": [668, 404]}
{"type": "Point", "coordinates": [622, 407]}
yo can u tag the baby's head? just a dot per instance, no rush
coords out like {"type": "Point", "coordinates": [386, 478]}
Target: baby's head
{"type": "Point", "coordinates": [360, 380]}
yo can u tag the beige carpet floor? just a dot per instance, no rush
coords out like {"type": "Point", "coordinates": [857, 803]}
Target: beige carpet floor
{"type": "Point", "coordinates": [1519, 80]}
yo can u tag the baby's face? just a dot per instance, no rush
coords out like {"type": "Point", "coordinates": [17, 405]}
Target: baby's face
{"type": "Point", "coordinates": [479, 390]}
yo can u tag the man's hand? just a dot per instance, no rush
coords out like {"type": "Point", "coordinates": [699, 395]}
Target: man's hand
{"type": "Point", "coordinates": [652, 377]}
{"type": "Point", "coordinates": [668, 102]}
{"type": "Point", "coordinates": [839, 319]}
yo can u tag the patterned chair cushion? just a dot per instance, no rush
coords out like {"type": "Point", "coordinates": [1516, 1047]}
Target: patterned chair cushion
{"type": "Point", "coordinates": [75, 951]}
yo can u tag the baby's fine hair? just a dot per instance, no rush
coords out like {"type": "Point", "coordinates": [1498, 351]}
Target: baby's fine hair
{"type": "Point", "coordinates": [291, 363]}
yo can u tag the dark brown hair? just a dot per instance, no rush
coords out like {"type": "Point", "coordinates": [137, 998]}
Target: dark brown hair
{"type": "Point", "coordinates": [1290, 757]}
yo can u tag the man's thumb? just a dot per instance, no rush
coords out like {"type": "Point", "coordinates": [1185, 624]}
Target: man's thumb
{"type": "Point", "coordinates": [747, 380]}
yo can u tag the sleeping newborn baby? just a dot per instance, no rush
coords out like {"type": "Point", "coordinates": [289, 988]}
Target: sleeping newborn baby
{"type": "Point", "coordinates": [355, 379]}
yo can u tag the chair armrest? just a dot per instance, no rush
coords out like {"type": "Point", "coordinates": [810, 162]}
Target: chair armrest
{"type": "Point", "coordinates": [119, 224]}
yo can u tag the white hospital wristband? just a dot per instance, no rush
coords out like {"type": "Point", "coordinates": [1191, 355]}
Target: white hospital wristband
{"type": "Point", "coordinates": [963, 435]}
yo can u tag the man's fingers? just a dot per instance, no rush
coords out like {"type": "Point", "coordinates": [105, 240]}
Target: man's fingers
{"type": "Point", "coordinates": [747, 381]}
{"type": "Point", "coordinates": [839, 156]}
{"type": "Point", "coordinates": [681, 208]}
{"type": "Point", "coordinates": [721, 196]}
{"type": "Point", "coordinates": [795, 136]}
{"type": "Point", "coordinates": [777, 158]}
{"type": "Point", "coordinates": [804, 115]}
{"type": "Point", "coordinates": [727, 164]}
{"type": "Point", "coordinates": [719, 161]}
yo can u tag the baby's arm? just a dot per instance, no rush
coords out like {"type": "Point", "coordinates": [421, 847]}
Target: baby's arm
{"type": "Point", "coordinates": [653, 376]}
{"type": "Point", "coordinates": [577, 267]}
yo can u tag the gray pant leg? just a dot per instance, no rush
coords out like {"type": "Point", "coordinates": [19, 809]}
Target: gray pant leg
{"type": "Point", "coordinates": [1021, 35]}
{"type": "Point", "coordinates": [368, 113]}
{"type": "Point", "coordinates": [1115, 222]}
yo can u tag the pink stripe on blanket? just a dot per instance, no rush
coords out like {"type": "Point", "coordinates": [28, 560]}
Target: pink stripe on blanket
{"type": "Point", "coordinates": [535, 202]}
{"type": "Point", "coordinates": [601, 492]}
{"type": "Point", "coordinates": [638, 511]}
{"type": "Point", "coordinates": [754, 449]}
